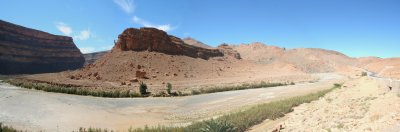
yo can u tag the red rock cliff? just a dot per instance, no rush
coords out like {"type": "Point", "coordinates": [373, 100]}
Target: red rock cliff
{"type": "Point", "coordinates": [152, 39]}
{"type": "Point", "coordinates": [24, 50]}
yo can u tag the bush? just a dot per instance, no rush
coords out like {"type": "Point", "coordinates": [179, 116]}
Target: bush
{"type": "Point", "coordinates": [72, 90]}
{"type": "Point", "coordinates": [243, 86]}
{"type": "Point", "coordinates": [7, 128]}
{"type": "Point", "coordinates": [169, 88]}
{"type": "Point", "coordinates": [195, 92]}
{"type": "Point", "coordinates": [337, 85]}
{"type": "Point", "coordinates": [218, 126]}
{"type": "Point", "coordinates": [143, 88]}
{"type": "Point", "coordinates": [364, 73]}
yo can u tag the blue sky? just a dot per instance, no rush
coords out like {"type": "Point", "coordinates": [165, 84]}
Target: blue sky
{"type": "Point", "coordinates": [354, 27]}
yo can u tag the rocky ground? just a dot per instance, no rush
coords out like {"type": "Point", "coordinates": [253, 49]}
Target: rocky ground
{"type": "Point", "coordinates": [360, 105]}
{"type": "Point", "coordinates": [118, 71]}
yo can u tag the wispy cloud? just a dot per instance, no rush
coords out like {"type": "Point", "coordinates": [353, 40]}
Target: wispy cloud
{"type": "Point", "coordinates": [84, 35]}
{"type": "Point", "coordinates": [165, 27]}
{"type": "Point", "coordinates": [64, 28]}
{"type": "Point", "coordinates": [67, 30]}
{"type": "Point", "coordinates": [87, 49]}
{"type": "Point", "coordinates": [125, 5]}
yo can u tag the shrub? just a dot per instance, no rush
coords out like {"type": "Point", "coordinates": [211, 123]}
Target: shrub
{"type": "Point", "coordinates": [364, 74]}
{"type": "Point", "coordinates": [169, 88]}
{"type": "Point", "coordinates": [243, 86]}
{"type": "Point", "coordinates": [195, 92]}
{"type": "Point", "coordinates": [143, 88]}
{"type": "Point", "coordinates": [337, 85]}
{"type": "Point", "coordinates": [218, 126]}
{"type": "Point", "coordinates": [7, 128]}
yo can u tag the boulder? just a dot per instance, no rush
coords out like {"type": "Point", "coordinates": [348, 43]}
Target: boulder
{"type": "Point", "coordinates": [134, 80]}
{"type": "Point", "coordinates": [141, 74]}
{"type": "Point", "coordinates": [228, 51]}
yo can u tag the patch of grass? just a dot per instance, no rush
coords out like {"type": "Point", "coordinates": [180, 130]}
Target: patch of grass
{"type": "Point", "coordinates": [142, 89]}
{"type": "Point", "coordinates": [337, 85]}
{"type": "Point", "coordinates": [218, 126]}
{"type": "Point", "coordinates": [244, 86]}
{"type": "Point", "coordinates": [73, 90]}
{"type": "Point", "coordinates": [4, 128]}
{"type": "Point", "coordinates": [340, 125]}
{"type": "Point", "coordinates": [370, 98]}
{"type": "Point", "coordinates": [364, 74]}
{"type": "Point", "coordinates": [241, 121]}
{"type": "Point", "coordinates": [93, 130]}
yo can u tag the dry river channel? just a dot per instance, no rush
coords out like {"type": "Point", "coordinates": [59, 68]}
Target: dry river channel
{"type": "Point", "coordinates": [34, 110]}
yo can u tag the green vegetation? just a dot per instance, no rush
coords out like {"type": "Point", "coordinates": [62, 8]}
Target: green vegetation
{"type": "Point", "coordinates": [239, 121]}
{"type": "Point", "coordinates": [364, 74]}
{"type": "Point", "coordinates": [218, 126]}
{"type": "Point", "coordinates": [169, 88]}
{"type": "Point", "coordinates": [243, 120]}
{"type": "Point", "coordinates": [74, 90]}
{"type": "Point", "coordinates": [7, 129]}
{"type": "Point", "coordinates": [143, 89]}
{"type": "Point", "coordinates": [215, 89]}
{"type": "Point", "coordinates": [337, 85]}
{"type": "Point", "coordinates": [93, 130]}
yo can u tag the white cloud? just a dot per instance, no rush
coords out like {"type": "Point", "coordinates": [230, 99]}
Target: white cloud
{"type": "Point", "coordinates": [84, 35]}
{"type": "Point", "coordinates": [64, 28]}
{"type": "Point", "coordinates": [165, 27]}
{"type": "Point", "coordinates": [125, 5]}
{"type": "Point", "coordinates": [87, 49]}
{"type": "Point", "coordinates": [67, 30]}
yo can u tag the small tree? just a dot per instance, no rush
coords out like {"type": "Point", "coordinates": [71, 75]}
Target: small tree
{"type": "Point", "coordinates": [143, 88]}
{"type": "Point", "coordinates": [169, 88]}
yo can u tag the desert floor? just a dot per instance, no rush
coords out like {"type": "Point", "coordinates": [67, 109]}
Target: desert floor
{"type": "Point", "coordinates": [360, 105]}
{"type": "Point", "coordinates": [37, 110]}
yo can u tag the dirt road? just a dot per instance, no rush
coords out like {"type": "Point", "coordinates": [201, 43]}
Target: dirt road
{"type": "Point", "coordinates": [43, 111]}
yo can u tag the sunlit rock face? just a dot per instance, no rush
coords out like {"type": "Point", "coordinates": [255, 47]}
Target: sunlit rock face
{"type": "Point", "coordinates": [152, 39]}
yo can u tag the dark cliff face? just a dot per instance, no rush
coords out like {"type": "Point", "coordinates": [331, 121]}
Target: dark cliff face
{"type": "Point", "coordinates": [152, 39]}
{"type": "Point", "coordinates": [25, 51]}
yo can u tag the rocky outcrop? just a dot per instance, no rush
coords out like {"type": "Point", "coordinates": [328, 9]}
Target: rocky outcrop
{"type": "Point", "coordinates": [152, 39]}
{"type": "Point", "coordinates": [24, 51]}
{"type": "Point", "coordinates": [194, 42]}
{"type": "Point", "coordinates": [229, 51]}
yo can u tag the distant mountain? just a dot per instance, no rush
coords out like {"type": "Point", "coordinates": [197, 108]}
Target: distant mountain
{"type": "Point", "coordinates": [194, 42]}
{"type": "Point", "coordinates": [310, 60]}
{"type": "Point", "coordinates": [388, 67]}
{"type": "Point", "coordinates": [92, 57]}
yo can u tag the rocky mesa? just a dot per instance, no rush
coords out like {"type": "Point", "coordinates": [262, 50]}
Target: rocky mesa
{"type": "Point", "coordinates": [152, 39]}
{"type": "Point", "coordinates": [25, 51]}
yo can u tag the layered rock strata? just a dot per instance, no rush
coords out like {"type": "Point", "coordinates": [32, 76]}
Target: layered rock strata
{"type": "Point", "coordinates": [152, 39]}
{"type": "Point", "coordinates": [25, 51]}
